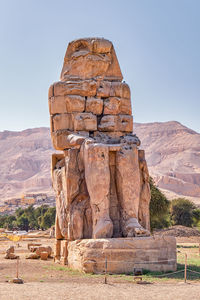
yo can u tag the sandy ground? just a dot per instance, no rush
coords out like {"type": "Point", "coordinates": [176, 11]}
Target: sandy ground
{"type": "Point", "coordinates": [47, 280]}
{"type": "Point", "coordinates": [76, 290]}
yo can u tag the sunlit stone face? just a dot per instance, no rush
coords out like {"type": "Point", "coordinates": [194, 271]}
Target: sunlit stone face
{"type": "Point", "coordinates": [89, 58]}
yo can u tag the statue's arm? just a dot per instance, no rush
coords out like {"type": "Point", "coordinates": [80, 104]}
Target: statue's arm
{"type": "Point", "coordinates": [75, 140]}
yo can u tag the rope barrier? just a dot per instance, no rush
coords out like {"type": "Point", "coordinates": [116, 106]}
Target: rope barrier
{"type": "Point", "coordinates": [139, 263]}
{"type": "Point", "coordinates": [153, 262]}
{"type": "Point", "coordinates": [162, 275]}
{"type": "Point", "coordinates": [193, 271]}
{"type": "Point", "coordinates": [107, 262]}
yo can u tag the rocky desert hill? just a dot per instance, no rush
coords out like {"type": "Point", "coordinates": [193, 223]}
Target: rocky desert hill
{"type": "Point", "coordinates": [173, 155]}
{"type": "Point", "coordinates": [172, 152]}
{"type": "Point", "coordinates": [25, 159]}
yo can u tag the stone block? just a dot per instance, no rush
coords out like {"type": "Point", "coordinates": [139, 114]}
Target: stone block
{"type": "Point", "coordinates": [122, 123]}
{"type": "Point", "coordinates": [104, 89]}
{"type": "Point", "coordinates": [62, 121]}
{"type": "Point", "coordinates": [33, 245]}
{"type": "Point", "coordinates": [33, 248]}
{"type": "Point", "coordinates": [66, 104]}
{"type": "Point", "coordinates": [17, 280]}
{"type": "Point", "coordinates": [123, 254]}
{"type": "Point", "coordinates": [75, 103]}
{"type": "Point", "coordinates": [32, 256]}
{"type": "Point", "coordinates": [11, 249]}
{"type": "Point", "coordinates": [94, 105]}
{"type": "Point", "coordinates": [125, 123]}
{"type": "Point", "coordinates": [85, 122]}
{"type": "Point", "coordinates": [57, 105]}
{"type": "Point", "coordinates": [41, 249]}
{"type": "Point", "coordinates": [109, 134]}
{"type": "Point", "coordinates": [81, 88]}
{"type": "Point", "coordinates": [108, 123]}
{"type": "Point", "coordinates": [125, 106]}
{"type": "Point", "coordinates": [116, 105]}
{"type": "Point", "coordinates": [50, 92]}
{"type": "Point", "coordinates": [59, 139]}
{"type": "Point", "coordinates": [44, 255]}
{"type": "Point", "coordinates": [112, 106]}
{"type": "Point", "coordinates": [101, 46]}
{"type": "Point", "coordinates": [113, 89]}
{"type": "Point", "coordinates": [120, 89]}
{"type": "Point", "coordinates": [11, 256]}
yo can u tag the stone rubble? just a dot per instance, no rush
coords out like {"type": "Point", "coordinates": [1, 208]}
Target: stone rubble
{"type": "Point", "coordinates": [38, 251]}
{"type": "Point", "coordinates": [10, 253]}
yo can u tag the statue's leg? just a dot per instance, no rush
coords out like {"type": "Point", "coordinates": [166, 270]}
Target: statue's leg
{"type": "Point", "coordinates": [61, 212]}
{"type": "Point", "coordinates": [58, 237]}
{"type": "Point", "coordinates": [144, 215]}
{"type": "Point", "coordinates": [97, 176]}
{"type": "Point", "coordinates": [72, 191]}
{"type": "Point", "coordinates": [128, 188]}
{"type": "Point", "coordinates": [57, 184]}
{"type": "Point", "coordinates": [145, 192]}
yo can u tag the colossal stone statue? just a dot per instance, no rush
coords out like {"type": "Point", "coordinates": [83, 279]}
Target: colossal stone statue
{"type": "Point", "coordinates": [101, 178]}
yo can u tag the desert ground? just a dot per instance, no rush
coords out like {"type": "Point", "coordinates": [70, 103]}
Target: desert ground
{"type": "Point", "coordinates": [48, 280]}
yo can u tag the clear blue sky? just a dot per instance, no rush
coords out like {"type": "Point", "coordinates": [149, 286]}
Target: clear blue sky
{"type": "Point", "coordinates": [157, 44]}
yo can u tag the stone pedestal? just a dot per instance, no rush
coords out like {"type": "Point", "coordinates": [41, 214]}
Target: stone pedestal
{"type": "Point", "coordinates": [123, 254]}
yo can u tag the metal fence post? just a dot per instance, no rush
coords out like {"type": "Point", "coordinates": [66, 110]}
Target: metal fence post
{"type": "Point", "coordinates": [185, 267]}
{"type": "Point", "coordinates": [105, 279]}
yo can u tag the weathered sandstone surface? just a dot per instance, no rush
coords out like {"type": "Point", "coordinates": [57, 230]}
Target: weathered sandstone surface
{"type": "Point", "coordinates": [123, 254]}
{"type": "Point", "coordinates": [102, 176]}
{"type": "Point", "coordinates": [101, 179]}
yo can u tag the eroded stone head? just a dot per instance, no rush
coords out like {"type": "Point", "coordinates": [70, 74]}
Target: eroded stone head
{"type": "Point", "coordinates": [90, 99]}
{"type": "Point", "coordinates": [91, 58]}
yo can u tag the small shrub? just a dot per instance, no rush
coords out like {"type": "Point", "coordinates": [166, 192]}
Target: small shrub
{"type": "Point", "coordinates": [182, 212]}
{"type": "Point", "coordinates": [159, 208]}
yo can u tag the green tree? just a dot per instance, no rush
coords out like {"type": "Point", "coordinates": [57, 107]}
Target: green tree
{"type": "Point", "coordinates": [48, 219]}
{"type": "Point", "coordinates": [3, 220]}
{"type": "Point", "coordinates": [19, 212]}
{"type": "Point", "coordinates": [159, 208]}
{"type": "Point", "coordinates": [22, 222]}
{"type": "Point", "coordinates": [52, 212]}
{"type": "Point", "coordinates": [43, 209]}
{"type": "Point", "coordinates": [182, 212]}
{"type": "Point", "coordinates": [196, 217]}
{"type": "Point", "coordinates": [37, 212]}
{"type": "Point", "coordinates": [39, 221]}
{"type": "Point", "coordinates": [30, 218]}
{"type": "Point", "coordinates": [29, 213]}
{"type": "Point", "coordinates": [8, 222]}
{"type": "Point", "coordinates": [11, 219]}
